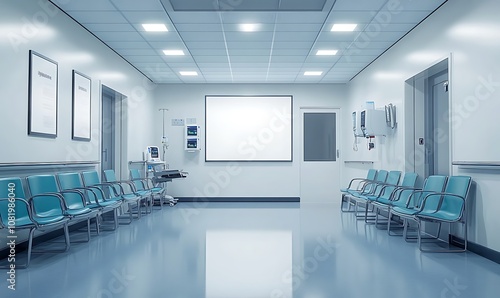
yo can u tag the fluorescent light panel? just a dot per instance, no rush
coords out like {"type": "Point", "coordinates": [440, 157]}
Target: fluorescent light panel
{"type": "Point", "coordinates": [173, 52]}
{"type": "Point", "coordinates": [344, 27]}
{"type": "Point", "coordinates": [313, 73]}
{"type": "Point", "coordinates": [155, 27]}
{"type": "Point", "coordinates": [326, 52]}
{"type": "Point", "coordinates": [188, 73]}
{"type": "Point", "coordinates": [249, 27]}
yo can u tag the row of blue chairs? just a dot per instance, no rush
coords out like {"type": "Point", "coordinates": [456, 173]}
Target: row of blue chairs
{"type": "Point", "coordinates": [441, 199]}
{"type": "Point", "coordinates": [57, 201]}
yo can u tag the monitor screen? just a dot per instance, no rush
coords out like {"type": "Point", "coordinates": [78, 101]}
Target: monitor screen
{"type": "Point", "coordinates": [154, 152]}
{"type": "Point", "coordinates": [192, 130]}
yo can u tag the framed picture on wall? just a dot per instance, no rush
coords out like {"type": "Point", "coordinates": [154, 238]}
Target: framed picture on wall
{"type": "Point", "coordinates": [81, 107]}
{"type": "Point", "coordinates": [42, 96]}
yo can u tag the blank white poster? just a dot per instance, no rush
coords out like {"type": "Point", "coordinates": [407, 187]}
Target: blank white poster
{"type": "Point", "coordinates": [248, 128]}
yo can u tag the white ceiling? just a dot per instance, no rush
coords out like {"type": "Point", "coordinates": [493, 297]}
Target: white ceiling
{"type": "Point", "coordinates": [291, 32]}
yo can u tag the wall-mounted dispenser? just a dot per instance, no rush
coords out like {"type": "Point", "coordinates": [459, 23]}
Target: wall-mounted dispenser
{"type": "Point", "coordinates": [373, 123]}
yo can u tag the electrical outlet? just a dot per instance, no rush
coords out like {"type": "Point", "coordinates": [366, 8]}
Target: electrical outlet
{"type": "Point", "coordinates": [190, 121]}
{"type": "Point", "coordinates": [177, 122]}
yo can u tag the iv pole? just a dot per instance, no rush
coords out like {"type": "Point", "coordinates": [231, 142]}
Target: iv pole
{"type": "Point", "coordinates": [163, 137]}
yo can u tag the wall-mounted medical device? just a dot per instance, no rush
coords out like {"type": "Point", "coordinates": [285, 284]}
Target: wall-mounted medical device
{"type": "Point", "coordinates": [390, 115]}
{"type": "Point", "coordinates": [373, 123]}
{"type": "Point", "coordinates": [152, 154]}
{"type": "Point", "coordinates": [356, 124]}
{"type": "Point", "coordinates": [192, 138]}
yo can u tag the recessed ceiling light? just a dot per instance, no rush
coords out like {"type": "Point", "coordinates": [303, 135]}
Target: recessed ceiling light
{"type": "Point", "coordinates": [173, 52]}
{"type": "Point", "coordinates": [155, 27]}
{"type": "Point", "coordinates": [313, 73]}
{"type": "Point", "coordinates": [249, 27]}
{"type": "Point", "coordinates": [326, 52]}
{"type": "Point", "coordinates": [188, 73]}
{"type": "Point", "coordinates": [344, 27]}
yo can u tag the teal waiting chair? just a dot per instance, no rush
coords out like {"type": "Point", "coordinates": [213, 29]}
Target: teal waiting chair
{"type": "Point", "coordinates": [74, 200]}
{"type": "Point", "coordinates": [379, 189]}
{"type": "Point", "coordinates": [31, 215]}
{"type": "Point", "coordinates": [383, 202]}
{"type": "Point", "coordinates": [106, 192]}
{"type": "Point", "coordinates": [356, 184]}
{"type": "Point", "coordinates": [94, 196]}
{"type": "Point", "coordinates": [446, 207]}
{"type": "Point", "coordinates": [158, 193]}
{"type": "Point", "coordinates": [408, 201]}
{"type": "Point", "coordinates": [130, 196]}
{"type": "Point", "coordinates": [369, 188]}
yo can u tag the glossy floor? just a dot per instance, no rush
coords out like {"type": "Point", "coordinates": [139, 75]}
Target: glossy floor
{"type": "Point", "coordinates": [254, 250]}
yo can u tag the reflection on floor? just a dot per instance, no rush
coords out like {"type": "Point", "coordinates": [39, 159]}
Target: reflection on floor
{"type": "Point", "coordinates": [252, 250]}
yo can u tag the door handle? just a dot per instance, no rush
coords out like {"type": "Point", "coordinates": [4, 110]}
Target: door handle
{"type": "Point", "coordinates": [338, 153]}
{"type": "Point", "coordinates": [105, 151]}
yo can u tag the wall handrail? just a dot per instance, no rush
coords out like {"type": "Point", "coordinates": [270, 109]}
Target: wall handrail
{"type": "Point", "coordinates": [58, 163]}
{"type": "Point", "coordinates": [477, 165]}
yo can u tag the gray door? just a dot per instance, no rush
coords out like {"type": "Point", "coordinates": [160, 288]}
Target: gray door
{"type": "Point", "coordinates": [108, 130]}
{"type": "Point", "coordinates": [440, 151]}
{"type": "Point", "coordinates": [436, 127]}
{"type": "Point", "coordinates": [428, 124]}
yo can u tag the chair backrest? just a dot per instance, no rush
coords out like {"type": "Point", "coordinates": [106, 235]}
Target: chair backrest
{"type": "Point", "coordinates": [381, 176]}
{"type": "Point", "coordinates": [433, 183]}
{"type": "Point", "coordinates": [373, 187]}
{"type": "Point", "coordinates": [135, 176]}
{"type": "Point", "coordinates": [12, 189]}
{"type": "Point", "coordinates": [67, 181]}
{"type": "Point", "coordinates": [44, 205]}
{"type": "Point", "coordinates": [371, 174]}
{"type": "Point", "coordinates": [456, 185]}
{"type": "Point", "coordinates": [90, 178]}
{"type": "Point", "coordinates": [110, 176]}
{"type": "Point", "coordinates": [393, 177]}
{"type": "Point", "coordinates": [409, 179]}
{"type": "Point", "coordinates": [385, 190]}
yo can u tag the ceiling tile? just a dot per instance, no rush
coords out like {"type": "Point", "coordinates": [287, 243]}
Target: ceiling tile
{"type": "Point", "coordinates": [142, 17]}
{"type": "Point", "coordinates": [119, 36]}
{"type": "Point", "coordinates": [212, 36]}
{"type": "Point", "coordinates": [195, 18]}
{"type": "Point", "coordinates": [125, 27]}
{"type": "Point", "coordinates": [359, 5]}
{"type": "Point", "coordinates": [92, 5]}
{"type": "Point", "coordinates": [210, 59]}
{"type": "Point", "coordinates": [135, 5]}
{"type": "Point", "coordinates": [142, 59]}
{"type": "Point", "coordinates": [101, 17]}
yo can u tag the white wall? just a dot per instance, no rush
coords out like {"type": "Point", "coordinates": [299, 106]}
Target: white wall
{"type": "Point", "coordinates": [467, 30]}
{"type": "Point", "coordinates": [39, 26]}
{"type": "Point", "coordinates": [252, 179]}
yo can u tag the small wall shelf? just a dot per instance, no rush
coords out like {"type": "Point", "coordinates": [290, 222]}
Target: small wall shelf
{"type": "Point", "coordinates": [358, 162]}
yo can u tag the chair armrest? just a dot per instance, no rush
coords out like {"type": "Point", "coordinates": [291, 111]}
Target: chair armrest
{"type": "Point", "coordinates": [441, 195]}
{"type": "Point", "coordinates": [144, 182]}
{"type": "Point", "coordinates": [62, 203]}
{"type": "Point", "coordinates": [28, 209]}
{"type": "Point", "coordinates": [360, 181]}
{"type": "Point", "coordinates": [77, 191]}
